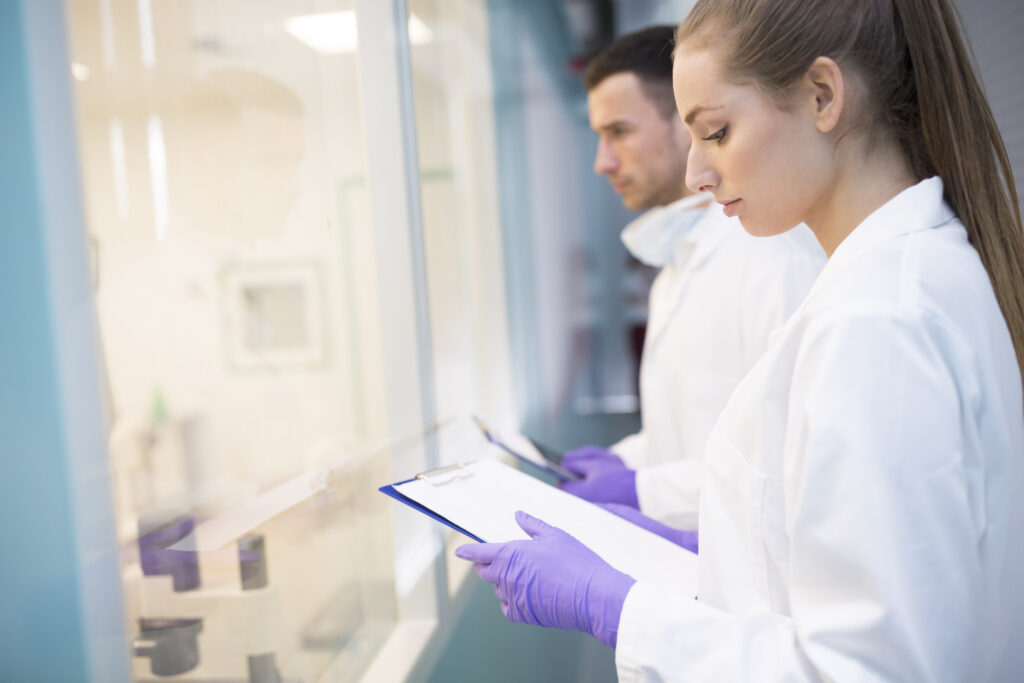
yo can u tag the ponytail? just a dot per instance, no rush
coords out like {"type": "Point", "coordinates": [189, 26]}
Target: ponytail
{"type": "Point", "coordinates": [962, 143]}
{"type": "Point", "coordinates": [927, 98]}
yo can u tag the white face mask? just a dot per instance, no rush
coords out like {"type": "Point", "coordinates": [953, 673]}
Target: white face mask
{"type": "Point", "coordinates": [652, 238]}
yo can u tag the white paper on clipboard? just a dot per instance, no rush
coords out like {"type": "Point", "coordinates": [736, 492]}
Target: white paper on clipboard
{"type": "Point", "coordinates": [485, 497]}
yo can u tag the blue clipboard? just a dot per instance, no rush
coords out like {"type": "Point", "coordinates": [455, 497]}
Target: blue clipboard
{"type": "Point", "coordinates": [552, 458]}
{"type": "Point", "coordinates": [391, 491]}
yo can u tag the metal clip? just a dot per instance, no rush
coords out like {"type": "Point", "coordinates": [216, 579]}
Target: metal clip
{"type": "Point", "coordinates": [443, 475]}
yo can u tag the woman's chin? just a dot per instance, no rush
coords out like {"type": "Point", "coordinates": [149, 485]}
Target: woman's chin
{"type": "Point", "coordinates": [762, 228]}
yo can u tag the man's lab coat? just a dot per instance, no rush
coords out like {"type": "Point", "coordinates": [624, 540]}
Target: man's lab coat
{"type": "Point", "coordinates": [862, 514]}
{"type": "Point", "coordinates": [711, 309]}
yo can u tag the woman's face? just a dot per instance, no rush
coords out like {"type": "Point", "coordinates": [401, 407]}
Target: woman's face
{"type": "Point", "coordinates": [769, 166]}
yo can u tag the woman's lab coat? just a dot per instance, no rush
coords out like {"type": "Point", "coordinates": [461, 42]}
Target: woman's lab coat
{"type": "Point", "coordinates": [712, 307]}
{"type": "Point", "coordinates": [862, 517]}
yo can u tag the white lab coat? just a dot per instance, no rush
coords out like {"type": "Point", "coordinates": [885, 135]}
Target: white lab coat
{"type": "Point", "coordinates": [862, 517]}
{"type": "Point", "coordinates": [711, 311]}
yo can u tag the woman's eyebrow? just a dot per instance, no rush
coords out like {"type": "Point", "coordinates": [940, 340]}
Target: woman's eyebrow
{"type": "Point", "coordinates": [698, 110]}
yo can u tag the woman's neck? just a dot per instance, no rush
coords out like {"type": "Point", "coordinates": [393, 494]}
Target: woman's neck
{"type": "Point", "coordinates": [863, 182]}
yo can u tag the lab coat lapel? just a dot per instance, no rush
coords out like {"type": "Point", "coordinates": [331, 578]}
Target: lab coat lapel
{"type": "Point", "coordinates": [709, 234]}
{"type": "Point", "coordinates": [667, 295]}
{"type": "Point", "coordinates": [692, 253]}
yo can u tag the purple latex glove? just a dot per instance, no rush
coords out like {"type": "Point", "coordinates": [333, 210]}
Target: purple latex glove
{"type": "Point", "coordinates": [686, 539]}
{"type": "Point", "coordinates": [606, 479]}
{"type": "Point", "coordinates": [589, 459]}
{"type": "Point", "coordinates": [552, 580]}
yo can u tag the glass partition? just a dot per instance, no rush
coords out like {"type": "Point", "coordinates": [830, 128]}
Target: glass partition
{"type": "Point", "coordinates": [451, 75]}
{"type": "Point", "coordinates": [457, 169]}
{"type": "Point", "coordinates": [237, 275]}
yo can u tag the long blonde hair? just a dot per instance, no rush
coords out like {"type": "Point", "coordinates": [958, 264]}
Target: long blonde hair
{"type": "Point", "coordinates": [927, 98]}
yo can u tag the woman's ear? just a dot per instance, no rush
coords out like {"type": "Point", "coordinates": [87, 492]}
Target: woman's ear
{"type": "Point", "coordinates": [828, 88]}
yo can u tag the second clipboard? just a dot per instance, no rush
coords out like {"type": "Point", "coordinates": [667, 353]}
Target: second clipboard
{"type": "Point", "coordinates": [528, 451]}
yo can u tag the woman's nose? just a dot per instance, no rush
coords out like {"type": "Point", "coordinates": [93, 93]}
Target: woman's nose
{"type": "Point", "coordinates": [699, 176]}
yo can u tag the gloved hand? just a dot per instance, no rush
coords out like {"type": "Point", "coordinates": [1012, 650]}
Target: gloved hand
{"type": "Point", "coordinates": [686, 539]}
{"type": "Point", "coordinates": [590, 458]}
{"type": "Point", "coordinates": [552, 580]}
{"type": "Point", "coordinates": [606, 479]}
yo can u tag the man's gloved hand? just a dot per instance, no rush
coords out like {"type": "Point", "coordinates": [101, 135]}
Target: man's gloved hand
{"type": "Point", "coordinates": [686, 539]}
{"type": "Point", "coordinates": [552, 580]}
{"type": "Point", "coordinates": [606, 479]}
{"type": "Point", "coordinates": [589, 459]}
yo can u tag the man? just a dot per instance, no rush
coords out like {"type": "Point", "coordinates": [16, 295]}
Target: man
{"type": "Point", "coordinates": [718, 295]}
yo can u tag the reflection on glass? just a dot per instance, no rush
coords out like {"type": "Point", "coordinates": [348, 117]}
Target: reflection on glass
{"type": "Point", "coordinates": [225, 188]}
{"type": "Point", "coordinates": [275, 317]}
{"type": "Point", "coordinates": [462, 231]}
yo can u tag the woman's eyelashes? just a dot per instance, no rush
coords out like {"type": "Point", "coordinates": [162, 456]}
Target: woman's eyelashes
{"type": "Point", "coordinates": [718, 136]}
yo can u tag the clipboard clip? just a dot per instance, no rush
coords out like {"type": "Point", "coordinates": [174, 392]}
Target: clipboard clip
{"type": "Point", "coordinates": [483, 428]}
{"type": "Point", "coordinates": [444, 475]}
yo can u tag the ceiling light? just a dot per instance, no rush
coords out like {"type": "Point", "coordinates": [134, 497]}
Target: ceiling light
{"type": "Point", "coordinates": [332, 33]}
{"type": "Point", "coordinates": [329, 33]}
{"type": "Point", "coordinates": [79, 71]}
{"type": "Point", "coordinates": [419, 33]}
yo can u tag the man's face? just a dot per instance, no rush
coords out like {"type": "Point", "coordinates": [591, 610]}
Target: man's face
{"type": "Point", "coordinates": [642, 152]}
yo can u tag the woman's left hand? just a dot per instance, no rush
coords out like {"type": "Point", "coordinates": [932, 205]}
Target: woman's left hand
{"type": "Point", "coordinates": [681, 537]}
{"type": "Point", "coordinates": [552, 580]}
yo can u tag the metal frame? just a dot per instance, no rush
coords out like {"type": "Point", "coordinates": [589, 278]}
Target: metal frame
{"type": "Point", "coordinates": [62, 616]}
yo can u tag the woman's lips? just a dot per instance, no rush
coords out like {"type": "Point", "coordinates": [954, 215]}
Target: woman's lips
{"type": "Point", "coordinates": [731, 207]}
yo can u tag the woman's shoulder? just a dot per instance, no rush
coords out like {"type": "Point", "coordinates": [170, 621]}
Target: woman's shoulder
{"type": "Point", "coordinates": [926, 289]}
{"type": "Point", "coordinates": [935, 269]}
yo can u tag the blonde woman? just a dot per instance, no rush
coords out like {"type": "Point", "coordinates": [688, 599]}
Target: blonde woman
{"type": "Point", "coordinates": [862, 514]}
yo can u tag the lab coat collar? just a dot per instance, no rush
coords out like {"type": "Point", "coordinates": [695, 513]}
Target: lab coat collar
{"type": "Point", "coordinates": [655, 237]}
{"type": "Point", "coordinates": [920, 207]}
{"type": "Point", "coordinates": [710, 232]}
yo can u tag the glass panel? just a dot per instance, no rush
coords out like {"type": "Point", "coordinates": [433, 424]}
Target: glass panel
{"type": "Point", "coordinates": [237, 292]}
{"type": "Point", "coordinates": [450, 55]}
{"type": "Point", "coordinates": [575, 310]}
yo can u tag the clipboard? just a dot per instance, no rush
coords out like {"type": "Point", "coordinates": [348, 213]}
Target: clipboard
{"type": "Point", "coordinates": [393, 493]}
{"type": "Point", "coordinates": [549, 459]}
{"type": "Point", "coordinates": [479, 499]}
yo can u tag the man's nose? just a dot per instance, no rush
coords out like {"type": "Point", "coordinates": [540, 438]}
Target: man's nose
{"type": "Point", "coordinates": [605, 161]}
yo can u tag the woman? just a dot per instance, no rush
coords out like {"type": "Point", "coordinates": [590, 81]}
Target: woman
{"type": "Point", "coordinates": [862, 516]}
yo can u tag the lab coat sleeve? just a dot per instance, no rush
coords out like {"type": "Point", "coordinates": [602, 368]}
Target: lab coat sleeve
{"type": "Point", "coordinates": [670, 492]}
{"type": "Point", "coordinates": [632, 449]}
{"type": "Point", "coordinates": [882, 526]}
{"type": "Point", "coordinates": [668, 636]}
